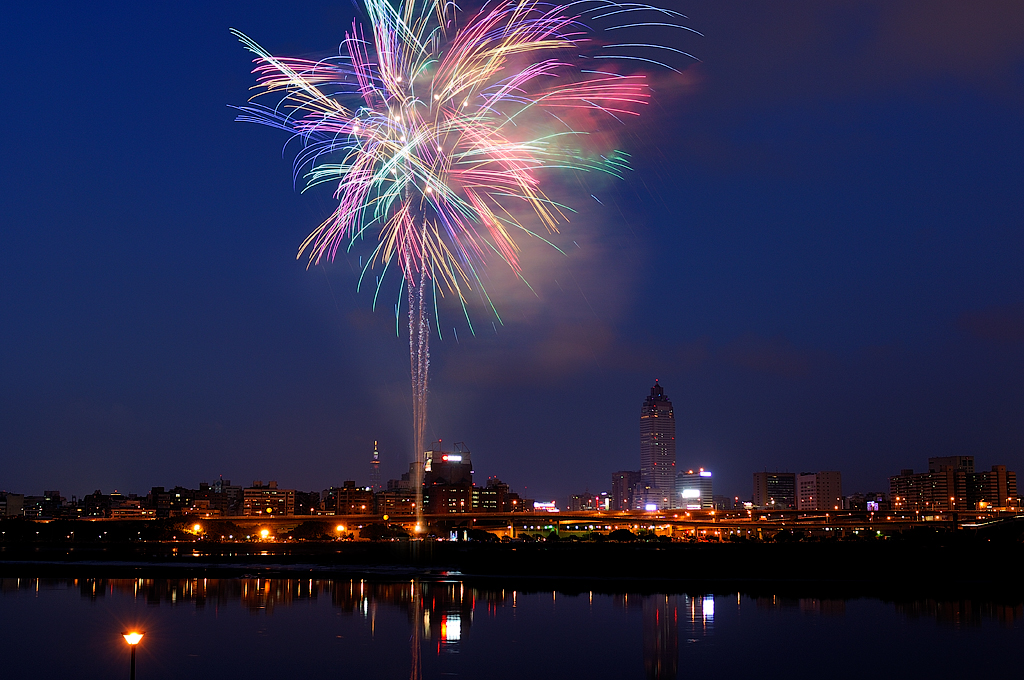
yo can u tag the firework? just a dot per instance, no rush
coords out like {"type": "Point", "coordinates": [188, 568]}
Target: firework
{"type": "Point", "coordinates": [434, 127]}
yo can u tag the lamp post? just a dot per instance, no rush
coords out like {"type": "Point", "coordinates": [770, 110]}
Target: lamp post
{"type": "Point", "coordinates": [133, 638]}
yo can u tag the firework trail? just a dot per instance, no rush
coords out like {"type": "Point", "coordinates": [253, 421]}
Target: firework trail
{"type": "Point", "coordinates": [433, 126]}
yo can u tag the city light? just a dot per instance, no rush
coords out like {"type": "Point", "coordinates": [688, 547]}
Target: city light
{"type": "Point", "coordinates": [264, 533]}
{"type": "Point", "coordinates": [451, 627]}
{"type": "Point", "coordinates": [133, 638]}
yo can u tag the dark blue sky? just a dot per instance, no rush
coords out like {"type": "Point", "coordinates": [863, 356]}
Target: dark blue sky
{"type": "Point", "coordinates": [819, 254]}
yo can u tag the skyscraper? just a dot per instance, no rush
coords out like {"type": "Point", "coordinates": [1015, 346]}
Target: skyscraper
{"type": "Point", "coordinates": [657, 451]}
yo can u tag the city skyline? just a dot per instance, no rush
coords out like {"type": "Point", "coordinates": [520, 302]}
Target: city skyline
{"type": "Point", "coordinates": [817, 253]}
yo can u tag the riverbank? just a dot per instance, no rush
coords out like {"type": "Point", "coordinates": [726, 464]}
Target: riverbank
{"type": "Point", "coordinates": [852, 568]}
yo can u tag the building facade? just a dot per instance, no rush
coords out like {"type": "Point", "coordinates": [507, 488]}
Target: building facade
{"type": "Point", "coordinates": [267, 500]}
{"type": "Point", "coordinates": [623, 485]}
{"type": "Point", "coordinates": [657, 485]}
{"type": "Point", "coordinates": [819, 491]}
{"type": "Point", "coordinates": [693, 490]}
{"type": "Point", "coordinates": [774, 490]}
{"type": "Point", "coordinates": [447, 481]}
{"type": "Point", "coordinates": [951, 484]}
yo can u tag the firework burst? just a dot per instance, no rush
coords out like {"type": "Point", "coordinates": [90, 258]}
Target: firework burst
{"type": "Point", "coordinates": [434, 126]}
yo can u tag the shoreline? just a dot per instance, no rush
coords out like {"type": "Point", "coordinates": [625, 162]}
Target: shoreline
{"type": "Point", "coordinates": [877, 569]}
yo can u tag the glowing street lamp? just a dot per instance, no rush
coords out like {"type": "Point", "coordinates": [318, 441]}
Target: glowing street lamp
{"type": "Point", "coordinates": [264, 533]}
{"type": "Point", "coordinates": [133, 639]}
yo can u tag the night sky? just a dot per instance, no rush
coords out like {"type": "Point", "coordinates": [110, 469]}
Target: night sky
{"type": "Point", "coordinates": [818, 253]}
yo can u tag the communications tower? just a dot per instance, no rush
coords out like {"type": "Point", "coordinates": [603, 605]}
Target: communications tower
{"type": "Point", "coordinates": [375, 470]}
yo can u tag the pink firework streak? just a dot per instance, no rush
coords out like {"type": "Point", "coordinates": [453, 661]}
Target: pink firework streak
{"type": "Point", "coordinates": [434, 126]}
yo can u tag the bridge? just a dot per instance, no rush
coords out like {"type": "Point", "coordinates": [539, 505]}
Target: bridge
{"type": "Point", "coordinates": [706, 525]}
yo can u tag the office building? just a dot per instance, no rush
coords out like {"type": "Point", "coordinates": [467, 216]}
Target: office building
{"type": "Point", "coordinates": [623, 485]}
{"type": "Point", "coordinates": [693, 490]}
{"type": "Point", "coordinates": [353, 500]}
{"type": "Point", "coordinates": [497, 496]}
{"type": "Point", "coordinates": [447, 467]}
{"type": "Point", "coordinates": [267, 500]}
{"type": "Point", "coordinates": [447, 480]}
{"type": "Point", "coordinates": [657, 452]}
{"type": "Point", "coordinates": [396, 501]}
{"type": "Point", "coordinates": [774, 490]}
{"type": "Point", "coordinates": [819, 491]}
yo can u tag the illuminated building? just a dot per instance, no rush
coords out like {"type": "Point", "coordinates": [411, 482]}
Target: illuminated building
{"type": "Point", "coordinates": [657, 451]}
{"type": "Point", "coordinates": [774, 490]}
{"type": "Point", "coordinates": [447, 480]}
{"type": "Point", "coordinates": [999, 487]}
{"type": "Point", "coordinates": [583, 502]}
{"type": "Point", "coordinates": [952, 484]}
{"type": "Point", "coordinates": [623, 486]}
{"type": "Point", "coordinates": [131, 508]}
{"type": "Point", "coordinates": [349, 499]}
{"type": "Point", "coordinates": [447, 467]}
{"type": "Point", "coordinates": [396, 501]}
{"type": "Point", "coordinates": [819, 491]}
{"type": "Point", "coordinates": [232, 495]}
{"type": "Point", "coordinates": [209, 501]}
{"type": "Point", "coordinates": [448, 487]}
{"type": "Point", "coordinates": [47, 506]}
{"type": "Point", "coordinates": [267, 500]}
{"type": "Point", "coordinates": [693, 490]}
{"type": "Point", "coordinates": [375, 484]}
{"type": "Point", "coordinates": [496, 497]}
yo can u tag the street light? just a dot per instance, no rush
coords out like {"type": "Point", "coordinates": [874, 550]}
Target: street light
{"type": "Point", "coordinates": [133, 638]}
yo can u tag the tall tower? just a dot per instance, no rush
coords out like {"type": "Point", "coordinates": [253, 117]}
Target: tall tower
{"type": "Point", "coordinates": [657, 451]}
{"type": "Point", "coordinates": [375, 470]}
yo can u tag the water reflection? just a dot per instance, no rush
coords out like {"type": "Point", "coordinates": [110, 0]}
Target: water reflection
{"type": "Point", "coordinates": [665, 617]}
{"type": "Point", "coordinates": [440, 613]}
{"type": "Point", "coordinates": [966, 613]}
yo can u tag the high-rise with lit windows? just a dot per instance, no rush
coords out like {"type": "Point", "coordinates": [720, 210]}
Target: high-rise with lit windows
{"type": "Point", "coordinates": [657, 452]}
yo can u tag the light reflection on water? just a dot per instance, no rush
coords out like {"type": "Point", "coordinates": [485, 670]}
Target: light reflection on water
{"type": "Point", "coordinates": [654, 636]}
